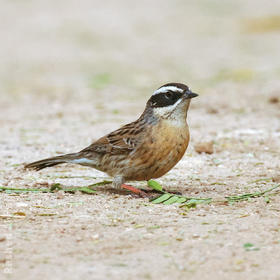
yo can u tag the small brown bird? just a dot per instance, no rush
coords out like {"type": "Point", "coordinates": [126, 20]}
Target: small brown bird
{"type": "Point", "coordinates": [144, 149]}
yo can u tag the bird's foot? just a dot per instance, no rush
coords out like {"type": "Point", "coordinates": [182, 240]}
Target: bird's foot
{"type": "Point", "coordinates": [134, 190]}
{"type": "Point", "coordinates": [144, 193]}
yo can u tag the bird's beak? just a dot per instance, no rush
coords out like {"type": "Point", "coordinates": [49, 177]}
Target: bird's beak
{"type": "Point", "coordinates": [189, 94]}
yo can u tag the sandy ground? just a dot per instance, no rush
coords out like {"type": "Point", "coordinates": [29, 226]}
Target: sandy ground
{"type": "Point", "coordinates": [73, 71]}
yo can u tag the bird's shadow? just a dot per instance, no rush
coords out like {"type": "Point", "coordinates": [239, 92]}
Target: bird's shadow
{"type": "Point", "coordinates": [150, 193]}
{"type": "Point", "coordinates": [111, 190]}
{"type": "Point", "coordinates": [104, 188]}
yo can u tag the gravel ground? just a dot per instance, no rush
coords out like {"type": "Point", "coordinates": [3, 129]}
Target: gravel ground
{"type": "Point", "coordinates": [71, 72]}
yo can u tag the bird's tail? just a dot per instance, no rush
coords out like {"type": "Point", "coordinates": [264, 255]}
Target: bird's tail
{"type": "Point", "coordinates": [48, 162]}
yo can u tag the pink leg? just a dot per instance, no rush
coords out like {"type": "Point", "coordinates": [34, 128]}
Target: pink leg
{"type": "Point", "coordinates": [134, 190]}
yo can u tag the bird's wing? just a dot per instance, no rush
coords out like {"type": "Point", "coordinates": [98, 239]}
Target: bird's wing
{"type": "Point", "coordinates": [121, 141]}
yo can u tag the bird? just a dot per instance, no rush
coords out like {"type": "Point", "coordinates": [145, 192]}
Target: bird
{"type": "Point", "coordinates": [141, 150]}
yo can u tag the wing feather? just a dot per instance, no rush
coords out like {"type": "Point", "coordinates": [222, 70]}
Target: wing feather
{"type": "Point", "coordinates": [121, 141]}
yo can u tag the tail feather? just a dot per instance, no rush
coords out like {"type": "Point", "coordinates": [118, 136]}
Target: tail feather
{"type": "Point", "coordinates": [48, 162]}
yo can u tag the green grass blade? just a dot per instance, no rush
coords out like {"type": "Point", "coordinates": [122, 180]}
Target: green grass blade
{"type": "Point", "coordinates": [55, 187]}
{"type": "Point", "coordinates": [17, 190]}
{"type": "Point", "coordinates": [193, 202]}
{"type": "Point", "coordinates": [171, 200]}
{"type": "Point", "coordinates": [155, 185]}
{"type": "Point", "coordinates": [86, 190]}
{"type": "Point", "coordinates": [246, 196]}
{"type": "Point", "coordinates": [181, 200]}
{"type": "Point", "coordinates": [161, 198]}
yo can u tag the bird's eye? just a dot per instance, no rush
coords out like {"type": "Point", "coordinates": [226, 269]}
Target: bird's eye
{"type": "Point", "coordinates": [168, 95]}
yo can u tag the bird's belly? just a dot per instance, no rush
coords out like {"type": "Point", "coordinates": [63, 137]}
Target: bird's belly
{"type": "Point", "coordinates": [161, 151]}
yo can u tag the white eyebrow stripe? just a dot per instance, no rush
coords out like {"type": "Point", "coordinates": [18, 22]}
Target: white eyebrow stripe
{"type": "Point", "coordinates": [167, 88]}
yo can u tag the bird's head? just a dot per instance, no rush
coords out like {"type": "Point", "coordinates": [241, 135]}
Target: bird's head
{"type": "Point", "coordinates": [171, 101]}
